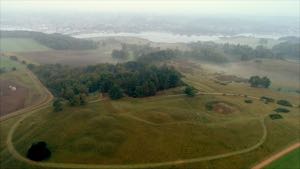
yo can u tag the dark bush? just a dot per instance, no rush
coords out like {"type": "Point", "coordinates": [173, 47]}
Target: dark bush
{"type": "Point", "coordinates": [38, 151]}
{"type": "Point", "coordinates": [190, 91]}
{"type": "Point", "coordinates": [284, 103]}
{"type": "Point", "coordinates": [15, 58]}
{"type": "Point", "coordinates": [267, 99]}
{"type": "Point", "coordinates": [275, 116]}
{"type": "Point", "coordinates": [282, 110]}
{"type": "Point", "coordinates": [248, 101]}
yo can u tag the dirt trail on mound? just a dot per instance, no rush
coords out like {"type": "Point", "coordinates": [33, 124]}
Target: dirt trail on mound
{"type": "Point", "coordinates": [276, 156]}
{"type": "Point", "coordinates": [48, 99]}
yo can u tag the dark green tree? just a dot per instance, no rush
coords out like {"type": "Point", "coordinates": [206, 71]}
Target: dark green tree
{"type": "Point", "coordinates": [190, 91]}
{"type": "Point", "coordinates": [57, 105]}
{"type": "Point", "coordinates": [115, 92]}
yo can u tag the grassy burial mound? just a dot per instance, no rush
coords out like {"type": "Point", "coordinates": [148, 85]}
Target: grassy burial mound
{"type": "Point", "coordinates": [42, 41]}
{"type": "Point", "coordinates": [220, 107]}
{"type": "Point", "coordinates": [107, 132]}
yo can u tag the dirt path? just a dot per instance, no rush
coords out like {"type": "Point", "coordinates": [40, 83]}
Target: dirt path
{"type": "Point", "coordinates": [276, 156]}
{"type": "Point", "coordinates": [45, 104]}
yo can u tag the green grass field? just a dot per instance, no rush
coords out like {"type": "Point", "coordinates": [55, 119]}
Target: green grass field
{"type": "Point", "coordinates": [20, 45]}
{"type": "Point", "coordinates": [158, 129]}
{"type": "Point", "coordinates": [289, 161]}
{"type": "Point", "coordinates": [7, 64]}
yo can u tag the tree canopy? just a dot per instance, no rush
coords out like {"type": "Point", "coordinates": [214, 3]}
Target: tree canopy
{"type": "Point", "coordinates": [256, 81]}
{"type": "Point", "coordinates": [134, 79]}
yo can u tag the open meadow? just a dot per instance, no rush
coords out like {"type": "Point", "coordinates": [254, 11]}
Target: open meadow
{"type": "Point", "coordinates": [165, 128]}
{"type": "Point", "coordinates": [20, 45]}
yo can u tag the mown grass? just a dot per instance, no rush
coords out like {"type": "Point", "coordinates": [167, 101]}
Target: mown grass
{"type": "Point", "coordinates": [289, 161]}
{"type": "Point", "coordinates": [20, 45]}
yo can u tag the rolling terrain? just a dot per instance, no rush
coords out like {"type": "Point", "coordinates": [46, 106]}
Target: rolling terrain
{"type": "Point", "coordinates": [215, 129]}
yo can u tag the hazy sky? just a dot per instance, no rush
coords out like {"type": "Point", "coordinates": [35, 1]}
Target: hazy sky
{"type": "Point", "coordinates": [230, 7]}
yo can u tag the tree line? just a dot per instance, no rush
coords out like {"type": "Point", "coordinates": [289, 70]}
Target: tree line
{"type": "Point", "coordinates": [55, 41]}
{"type": "Point", "coordinates": [134, 79]}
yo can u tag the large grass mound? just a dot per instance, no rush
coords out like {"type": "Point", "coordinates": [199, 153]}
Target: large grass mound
{"type": "Point", "coordinates": [132, 131]}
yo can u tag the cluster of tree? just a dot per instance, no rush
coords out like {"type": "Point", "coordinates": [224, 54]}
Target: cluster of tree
{"type": "Point", "coordinates": [288, 49]}
{"type": "Point", "coordinates": [137, 51]}
{"type": "Point", "coordinates": [256, 81]}
{"type": "Point", "coordinates": [54, 41]}
{"type": "Point", "coordinates": [120, 54]}
{"type": "Point", "coordinates": [206, 51]}
{"type": "Point", "coordinates": [220, 53]}
{"type": "Point", "coordinates": [158, 56]}
{"type": "Point", "coordinates": [134, 79]}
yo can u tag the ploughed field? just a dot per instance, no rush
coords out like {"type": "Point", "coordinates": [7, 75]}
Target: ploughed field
{"type": "Point", "coordinates": [12, 97]}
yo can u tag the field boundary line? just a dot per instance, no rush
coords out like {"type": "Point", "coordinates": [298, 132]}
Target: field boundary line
{"type": "Point", "coordinates": [276, 156]}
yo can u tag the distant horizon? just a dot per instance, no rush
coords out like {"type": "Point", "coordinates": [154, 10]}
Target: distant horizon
{"type": "Point", "coordinates": [264, 8]}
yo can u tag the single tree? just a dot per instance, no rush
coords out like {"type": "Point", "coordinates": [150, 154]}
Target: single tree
{"type": "Point", "coordinates": [190, 91]}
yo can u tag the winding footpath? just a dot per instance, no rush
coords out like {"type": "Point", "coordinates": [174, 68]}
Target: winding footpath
{"type": "Point", "coordinates": [48, 98]}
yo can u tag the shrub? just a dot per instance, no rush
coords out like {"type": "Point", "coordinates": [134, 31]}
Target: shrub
{"type": "Point", "coordinates": [275, 116]}
{"type": "Point", "coordinates": [284, 103]}
{"type": "Point", "coordinates": [14, 69]}
{"type": "Point", "coordinates": [38, 151]}
{"type": "Point", "coordinates": [15, 58]}
{"type": "Point", "coordinates": [210, 105]}
{"type": "Point", "coordinates": [190, 91]}
{"type": "Point", "coordinates": [248, 101]}
{"type": "Point", "coordinates": [267, 99]}
{"type": "Point", "coordinates": [282, 110]}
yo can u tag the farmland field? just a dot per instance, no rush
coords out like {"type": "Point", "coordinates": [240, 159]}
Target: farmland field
{"type": "Point", "coordinates": [20, 45]}
{"type": "Point", "coordinates": [27, 91]}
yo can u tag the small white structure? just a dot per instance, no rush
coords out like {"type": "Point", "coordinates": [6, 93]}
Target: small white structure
{"type": "Point", "coordinates": [13, 88]}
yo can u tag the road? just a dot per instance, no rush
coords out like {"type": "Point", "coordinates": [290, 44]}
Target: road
{"type": "Point", "coordinates": [45, 103]}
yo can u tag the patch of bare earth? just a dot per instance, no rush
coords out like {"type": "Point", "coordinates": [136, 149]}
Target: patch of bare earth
{"type": "Point", "coordinates": [12, 97]}
{"type": "Point", "coordinates": [223, 108]}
